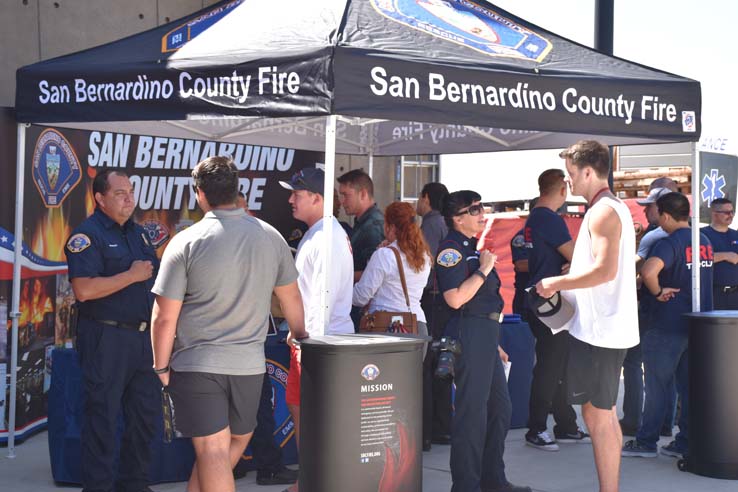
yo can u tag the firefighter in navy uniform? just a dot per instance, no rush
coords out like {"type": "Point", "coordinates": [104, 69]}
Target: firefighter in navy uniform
{"type": "Point", "coordinates": [471, 287]}
{"type": "Point", "coordinates": [112, 267]}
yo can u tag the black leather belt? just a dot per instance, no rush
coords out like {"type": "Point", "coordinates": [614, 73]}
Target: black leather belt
{"type": "Point", "coordinates": [727, 289]}
{"type": "Point", "coordinates": [493, 316]}
{"type": "Point", "coordinates": [142, 326]}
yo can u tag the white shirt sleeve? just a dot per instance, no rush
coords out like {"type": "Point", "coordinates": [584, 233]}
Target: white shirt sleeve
{"type": "Point", "coordinates": [371, 279]}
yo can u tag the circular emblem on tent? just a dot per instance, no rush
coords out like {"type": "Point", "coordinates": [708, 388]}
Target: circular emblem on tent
{"type": "Point", "coordinates": [468, 23]}
{"type": "Point", "coordinates": [157, 232]}
{"type": "Point", "coordinates": [370, 372]}
{"type": "Point", "coordinates": [56, 168]}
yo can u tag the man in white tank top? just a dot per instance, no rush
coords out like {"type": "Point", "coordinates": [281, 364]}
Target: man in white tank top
{"type": "Point", "coordinates": [601, 284]}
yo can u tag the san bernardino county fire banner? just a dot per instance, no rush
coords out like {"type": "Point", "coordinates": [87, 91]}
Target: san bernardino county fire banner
{"type": "Point", "coordinates": [61, 166]}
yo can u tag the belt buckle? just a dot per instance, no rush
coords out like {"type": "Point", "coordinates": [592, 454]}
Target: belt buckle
{"type": "Point", "coordinates": [142, 326]}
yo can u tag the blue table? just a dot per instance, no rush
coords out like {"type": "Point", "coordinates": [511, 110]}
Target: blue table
{"type": "Point", "coordinates": [170, 462]}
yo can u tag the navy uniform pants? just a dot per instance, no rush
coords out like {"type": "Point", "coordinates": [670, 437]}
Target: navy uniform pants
{"type": "Point", "coordinates": [117, 375]}
{"type": "Point", "coordinates": [483, 408]}
{"type": "Point", "coordinates": [267, 455]}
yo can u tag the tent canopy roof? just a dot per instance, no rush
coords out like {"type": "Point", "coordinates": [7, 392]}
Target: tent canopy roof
{"type": "Point", "coordinates": [477, 77]}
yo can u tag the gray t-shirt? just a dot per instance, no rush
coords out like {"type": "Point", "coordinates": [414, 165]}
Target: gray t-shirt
{"type": "Point", "coordinates": [648, 241]}
{"type": "Point", "coordinates": [224, 269]}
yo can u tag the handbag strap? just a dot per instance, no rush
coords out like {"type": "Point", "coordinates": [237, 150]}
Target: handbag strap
{"type": "Point", "coordinates": [402, 276]}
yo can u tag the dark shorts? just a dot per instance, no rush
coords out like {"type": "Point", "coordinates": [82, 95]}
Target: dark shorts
{"type": "Point", "coordinates": [206, 403]}
{"type": "Point", "coordinates": [593, 374]}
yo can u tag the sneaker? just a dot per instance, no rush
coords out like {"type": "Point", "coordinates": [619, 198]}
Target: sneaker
{"type": "Point", "coordinates": [572, 437]}
{"type": "Point", "coordinates": [632, 448]}
{"type": "Point", "coordinates": [672, 450]}
{"type": "Point", "coordinates": [541, 440]}
{"type": "Point", "coordinates": [508, 487]}
{"type": "Point", "coordinates": [283, 476]}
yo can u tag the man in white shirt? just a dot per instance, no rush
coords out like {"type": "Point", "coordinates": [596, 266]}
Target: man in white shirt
{"type": "Point", "coordinates": [306, 200]}
{"type": "Point", "coordinates": [602, 284]}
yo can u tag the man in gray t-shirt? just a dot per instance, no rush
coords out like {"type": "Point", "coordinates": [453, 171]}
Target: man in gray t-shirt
{"type": "Point", "coordinates": [214, 293]}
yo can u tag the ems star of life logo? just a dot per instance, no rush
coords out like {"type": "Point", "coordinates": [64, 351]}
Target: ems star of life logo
{"type": "Point", "coordinates": [56, 168]}
{"type": "Point", "coordinates": [465, 22]}
{"type": "Point", "coordinates": [713, 185]}
{"type": "Point", "coordinates": [370, 372]}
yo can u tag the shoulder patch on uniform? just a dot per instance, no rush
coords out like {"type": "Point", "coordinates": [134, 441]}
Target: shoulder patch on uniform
{"type": "Point", "coordinates": [78, 243]}
{"type": "Point", "coordinates": [448, 257]}
{"type": "Point", "coordinates": [518, 241]}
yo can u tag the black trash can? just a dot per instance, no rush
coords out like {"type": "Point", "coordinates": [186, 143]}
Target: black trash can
{"type": "Point", "coordinates": [713, 394]}
{"type": "Point", "coordinates": [361, 413]}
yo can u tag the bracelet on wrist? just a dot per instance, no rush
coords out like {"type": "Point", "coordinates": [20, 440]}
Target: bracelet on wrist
{"type": "Point", "coordinates": [481, 274]}
{"type": "Point", "coordinates": [163, 370]}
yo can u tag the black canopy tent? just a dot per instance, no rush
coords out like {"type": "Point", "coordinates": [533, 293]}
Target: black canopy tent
{"type": "Point", "coordinates": [372, 77]}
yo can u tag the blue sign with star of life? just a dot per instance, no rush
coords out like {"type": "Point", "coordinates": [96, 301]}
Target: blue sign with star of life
{"type": "Point", "coordinates": [718, 179]}
{"type": "Point", "coordinates": [56, 170]}
{"type": "Point", "coordinates": [468, 23]}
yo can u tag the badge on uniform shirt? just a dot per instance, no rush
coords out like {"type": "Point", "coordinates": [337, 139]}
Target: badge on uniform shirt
{"type": "Point", "coordinates": [78, 243]}
{"type": "Point", "coordinates": [448, 257]}
{"type": "Point", "coordinates": [518, 241]}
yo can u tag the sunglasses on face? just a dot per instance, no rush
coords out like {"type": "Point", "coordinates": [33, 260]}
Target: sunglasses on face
{"type": "Point", "coordinates": [474, 210]}
{"type": "Point", "coordinates": [726, 212]}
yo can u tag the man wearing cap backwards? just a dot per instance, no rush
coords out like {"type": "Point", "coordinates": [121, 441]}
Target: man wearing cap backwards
{"type": "Point", "coordinates": [725, 243]}
{"type": "Point", "coordinates": [214, 293]}
{"type": "Point", "coordinates": [550, 248]}
{"type": "Point", "coordinates": [668, 278]}
{"type": "Point", "coordinates": [633, 363]}
{"type": "Point", "coordinates": [306, 200]}
{"type": "Point", "coordinates": [602, 282]}
{"type": "Point", "coordinates": [471, 288]}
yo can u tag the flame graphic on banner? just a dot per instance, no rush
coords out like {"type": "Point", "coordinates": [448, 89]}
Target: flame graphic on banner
{"type": "Point", "coordinates": [399, 463]}
{"type": "Point", "coordinates": [34, 303]}
{"type": "Point", "coordinates": [89, 199]}
{"type": "Point", "coordinates": [52, 231]}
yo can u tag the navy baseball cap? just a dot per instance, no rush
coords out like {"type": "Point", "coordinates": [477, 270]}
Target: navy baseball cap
{"type": "Point", "coordinates": [310, 179]}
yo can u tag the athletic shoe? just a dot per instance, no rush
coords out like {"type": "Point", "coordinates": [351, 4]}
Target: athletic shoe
{"type": "Point", "coordinates": [572, 437]}
{"type": "Point", "coordinates": [632, 448]}
{"type": "Point", "coordinates": [283, 476]}
{"type": "Point", "coordinates": [508, 487]}
{"type": "Point", "coordinates": [672, 450]}
{"type": "Point", "coordinates": [541, 440]}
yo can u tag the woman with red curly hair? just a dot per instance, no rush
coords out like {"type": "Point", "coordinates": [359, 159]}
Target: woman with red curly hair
{"type": "Point", "coordinates": [380, 286]}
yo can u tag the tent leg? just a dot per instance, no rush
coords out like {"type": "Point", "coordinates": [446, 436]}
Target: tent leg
{"type": "Point", "coordinates": [330, 177]}
{"type": "Point", "coordinates": [15, 308]}
{"type": "Point", "coordinates": [371, 164]}
{"type": "Point", "coordinates": [696, 200]}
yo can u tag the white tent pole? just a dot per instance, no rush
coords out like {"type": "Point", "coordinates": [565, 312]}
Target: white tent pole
{"type": "Point", "coordinates": [330, 176]}
{"type": "Point", "coordinates": [15, 306]}
{"type": "Point", "coordinates": [371, 164]}
{"type": "Point", "coordinates": [695, 228]}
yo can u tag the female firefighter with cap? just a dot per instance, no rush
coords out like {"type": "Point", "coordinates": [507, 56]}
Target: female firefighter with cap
{"type": "Point", "coordinates": [471, 288]}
